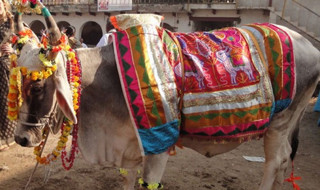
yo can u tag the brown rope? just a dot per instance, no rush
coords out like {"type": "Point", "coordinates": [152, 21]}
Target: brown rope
{"type": "Point", "coordinates": [46, 131]}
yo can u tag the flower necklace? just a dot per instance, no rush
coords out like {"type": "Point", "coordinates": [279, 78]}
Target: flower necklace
{"type": "Point", "coordinates": [74, 79]}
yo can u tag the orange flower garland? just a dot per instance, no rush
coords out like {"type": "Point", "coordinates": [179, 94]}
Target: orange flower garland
{"type": "Point", "coordinates": [16, 73]}
{"type": "Point", "coordinates": [60, 145]}
{"type": "Point", "coordinates": [14, 95]}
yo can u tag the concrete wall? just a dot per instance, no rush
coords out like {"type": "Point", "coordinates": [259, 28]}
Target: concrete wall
{"type": "Point", "coordinates": [252, 16]}
{"type": "Point", "coordinates": [300, 14]}
{"type": "Point", "coordinates": [253, 3]}
{"type": "Point", "coordinates": [180, 21]}
{"type": "Point", "coordinates": [218, 13]}
{"type": "Point", "coordinates": [73, 19]}
{"type": "Point", "coordinates": [312, 40]}
{"type": "Point", "coordinates": [314, 5]}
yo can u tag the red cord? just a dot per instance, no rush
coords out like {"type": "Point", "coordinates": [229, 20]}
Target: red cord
{"type": "Point", "coordinates": [74, 147]}
{"type": "Point", "coordinates": [292, 179]}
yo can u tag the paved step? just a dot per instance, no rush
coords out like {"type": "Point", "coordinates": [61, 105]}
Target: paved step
{"type": "Point", "coordinates": [311, 34]}
{"type": "Point", "coordinates": [297, 25]}
{"type": "Point", "coordinates": [303, 28]}
{"type": "Point", "coordinates": [287, 18]}
{"type": "Point", "coordinates": [272, 9]}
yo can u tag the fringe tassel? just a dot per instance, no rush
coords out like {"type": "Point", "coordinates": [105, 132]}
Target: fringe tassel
{"type": "Point", "coordinates": [292, 179]}
{"type": "Point", "coordinates": [172, 150]}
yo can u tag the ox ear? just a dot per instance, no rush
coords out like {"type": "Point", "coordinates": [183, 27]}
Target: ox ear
{"type": "Point", "coordinates": [63, 93]}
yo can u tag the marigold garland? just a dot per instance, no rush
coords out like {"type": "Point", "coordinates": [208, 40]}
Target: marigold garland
{"type": "Point", "coordinates": [26, 6]}
{"type": "Point", "coordinates": [14, 95]}
{"type": "Point", "coordinates": [16, 73]}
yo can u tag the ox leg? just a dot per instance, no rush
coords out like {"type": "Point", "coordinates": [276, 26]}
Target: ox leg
{"type": "Point", "coordinates": [287, 150]}
{"type": "Point", "coordinates": [129, 179]}
{"type": "Point", "coordinates": [154, 166]}
{"type": "Point", "coordinates": [277, 151]}
{"type": "Point", "coordinates": [277, 142]}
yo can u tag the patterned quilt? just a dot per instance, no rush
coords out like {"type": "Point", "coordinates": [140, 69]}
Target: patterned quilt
{"type": "Point", "coordinates": [232, 80]}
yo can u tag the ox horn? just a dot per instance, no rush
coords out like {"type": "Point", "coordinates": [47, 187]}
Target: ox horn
{"type": "Point", "coordinates": [54, 32]}
{"type": "Point", "coordinates": [18, 25]}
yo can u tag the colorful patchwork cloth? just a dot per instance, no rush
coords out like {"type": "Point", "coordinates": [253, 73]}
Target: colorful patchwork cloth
{"type": "Point", "coordinates": [278, 53]}
{"type": "Point", "coordinates": [230, 89]}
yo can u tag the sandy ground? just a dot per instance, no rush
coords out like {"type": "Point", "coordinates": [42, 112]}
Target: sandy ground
{"type": "Point", "coordinates": [185, 171]}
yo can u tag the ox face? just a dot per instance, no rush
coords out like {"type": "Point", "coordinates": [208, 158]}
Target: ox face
{"type": "Point", "coordinates": [40, 96]}
{"type": "Point", "coordinates": [37, 95]}
{"type": "Point", "coordinates": [38, 99]}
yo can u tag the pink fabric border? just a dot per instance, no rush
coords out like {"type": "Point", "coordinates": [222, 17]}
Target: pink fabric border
{"type": "Point", "coordinates": [134, 84]}
{"type": "Point", "coordinates": [228, 129]}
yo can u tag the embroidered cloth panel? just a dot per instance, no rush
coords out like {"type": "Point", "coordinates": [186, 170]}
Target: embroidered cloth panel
{"type": "Point", "coordinates": [228, 87]}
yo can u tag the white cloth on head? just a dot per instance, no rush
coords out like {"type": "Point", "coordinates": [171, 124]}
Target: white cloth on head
{"type": "Point", "coordinates": [106, 39]}
{"type": "Point", "coordinates": [84, 45]}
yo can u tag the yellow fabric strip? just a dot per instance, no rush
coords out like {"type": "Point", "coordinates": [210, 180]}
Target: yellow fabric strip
{"type": "Point", "coordinates": [256, 44]}
{"type": "Point", "coordinates": [148, 85]}
{"type": "Point", "coordinates": [275, 75]}
{"type": "Point", "coordinates": [222, 118]}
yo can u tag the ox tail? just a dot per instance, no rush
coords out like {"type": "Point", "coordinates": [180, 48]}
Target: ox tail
{"type": "Point", "coordinates": [294, 143]}
{"type": "Point", "coordinates": [317, 92]}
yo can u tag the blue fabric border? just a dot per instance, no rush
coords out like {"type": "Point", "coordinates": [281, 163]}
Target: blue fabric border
{"type": "Point", "coordinates": [281, 105]}
{"type": "Point", "coordinates": [158, 139]}
{"type": "Point", "coordinates": [317, 107]}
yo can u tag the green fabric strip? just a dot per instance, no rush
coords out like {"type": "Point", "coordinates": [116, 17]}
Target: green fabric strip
{"type": "Point", "coordinates": [45, 12]}
{"type": "Point", "coordinates": [240, 114]}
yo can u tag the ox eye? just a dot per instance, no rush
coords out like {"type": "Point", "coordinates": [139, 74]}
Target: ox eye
{"type": "Point", "coordinates": [36, 89]}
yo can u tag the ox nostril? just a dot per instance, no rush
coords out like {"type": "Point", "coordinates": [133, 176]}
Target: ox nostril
{"type": "Point", "coordinates": [21, 141]}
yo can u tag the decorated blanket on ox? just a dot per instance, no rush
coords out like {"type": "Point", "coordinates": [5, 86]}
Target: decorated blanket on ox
{"type": "Point", "coordinates": [232, 80]}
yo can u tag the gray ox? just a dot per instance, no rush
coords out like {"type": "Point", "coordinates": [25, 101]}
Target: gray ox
{"type": "Point", "coordinates": [106, 134]}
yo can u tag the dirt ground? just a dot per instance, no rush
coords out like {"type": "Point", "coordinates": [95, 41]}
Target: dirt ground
{"type": "Point", "coordinates": [187, 170]}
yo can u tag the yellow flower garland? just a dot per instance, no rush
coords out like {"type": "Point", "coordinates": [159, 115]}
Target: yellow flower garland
{"type": "Point", "coordinates": [14, 95]}
{"type": "Point", "coordinates": [153, 186]}
{"type": "Point", "coordinates": [57, 151]}
{"type": "Point", "coordinates": [123, 171]}
{"type": "Point", "coordinates": [44, 60]}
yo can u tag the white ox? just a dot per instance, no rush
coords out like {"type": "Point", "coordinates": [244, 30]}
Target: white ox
{"type": "Point", "coordinates": [106, 134]}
